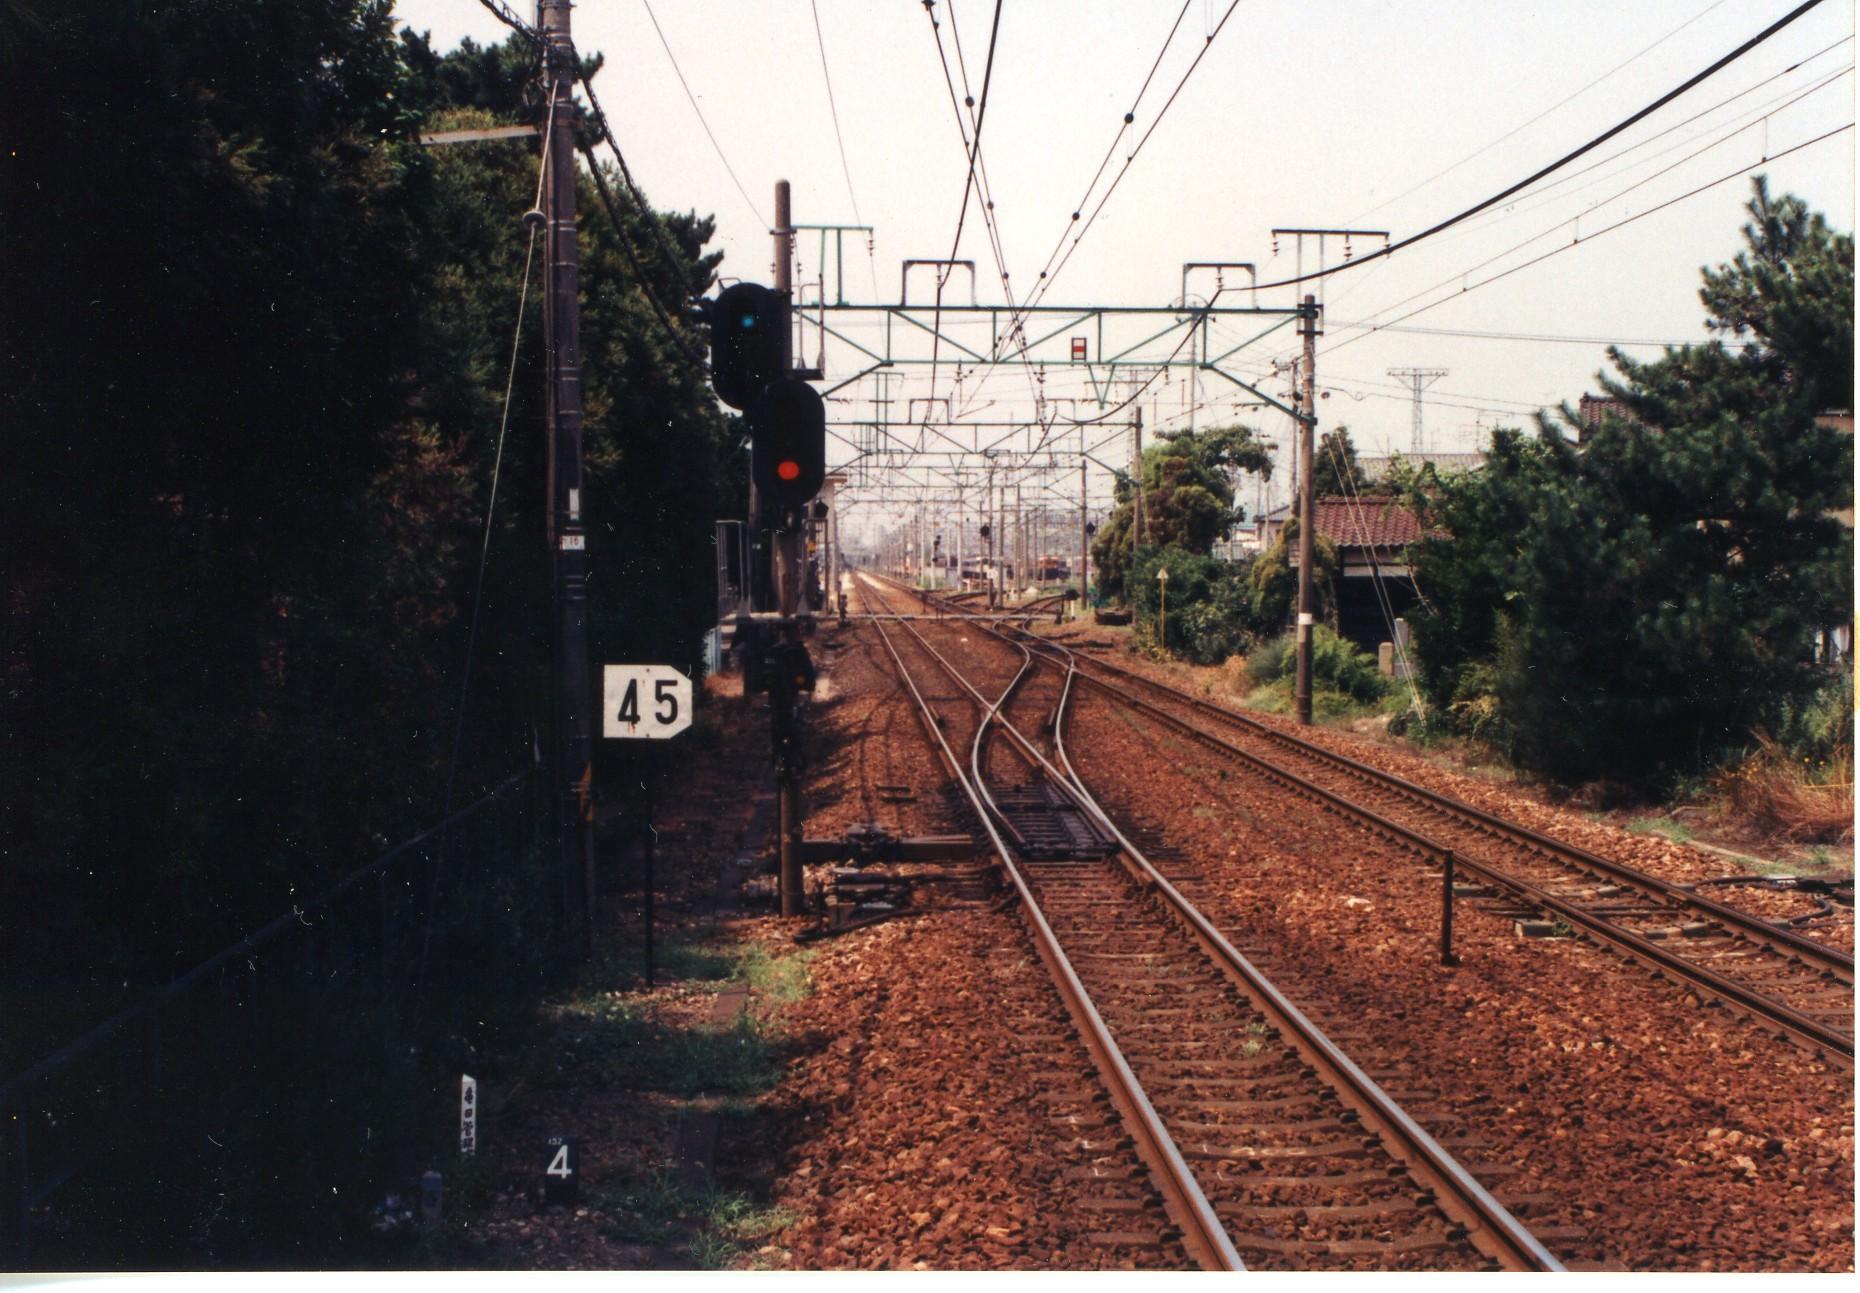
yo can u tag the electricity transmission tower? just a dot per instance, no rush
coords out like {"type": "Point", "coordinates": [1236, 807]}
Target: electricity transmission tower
{"type": "Point", "coordinates": [1420, 379]}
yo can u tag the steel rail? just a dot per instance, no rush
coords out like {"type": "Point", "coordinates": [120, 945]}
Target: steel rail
{"type": "Point", "coordinates": [1459, 1193]}
{"type": "Point", "coordinates": [1490, 1226]}
{"type": "Point", "coordinates": [1203, 1235]}
{"type": "Point", "coordinates": [1786, 941]}
{"type": "Point", "coordinates": [1796, 1025]}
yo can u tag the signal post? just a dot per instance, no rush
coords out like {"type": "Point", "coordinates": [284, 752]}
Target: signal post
{"type": "Point", "coordinates": [752, 369]}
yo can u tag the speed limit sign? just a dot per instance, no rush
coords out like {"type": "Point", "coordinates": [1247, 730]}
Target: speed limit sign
{"type": "Point", "coordinates": [644, 702]}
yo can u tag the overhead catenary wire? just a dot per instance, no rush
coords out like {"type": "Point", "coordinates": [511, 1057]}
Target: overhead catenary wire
{"type": "Point", "coordinates": [990, 217]}
{"type": "Point", "coordinates": [1046, 279]}
{"type": "Point", "coordinates": [839, 137]}
{"type": "Point", "coordinates": [968, 186]}
{"type": "Point", "coordinates": [1111, 149]}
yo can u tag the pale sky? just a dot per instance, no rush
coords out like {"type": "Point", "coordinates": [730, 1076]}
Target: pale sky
{"type": "Point", "coordinates": [1365, 114]}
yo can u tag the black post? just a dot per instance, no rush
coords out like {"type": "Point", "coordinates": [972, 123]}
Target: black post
{"type": "Point", "coordinates": [568, 547]}
{"type": "Point", "coordinates": [787, 571]}
{"type": "Point", "coordinates": [1446, 912]}
{"type": "Point", "coordinates": [652, 835]}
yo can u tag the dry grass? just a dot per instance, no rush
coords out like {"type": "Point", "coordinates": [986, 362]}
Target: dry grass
{"type": "Point", "coordinates": [1792, 799]}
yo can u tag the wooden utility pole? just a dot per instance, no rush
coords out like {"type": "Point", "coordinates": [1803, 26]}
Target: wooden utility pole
{"type": "Point", "coordinates": [1307, 510]}
{"type": "Point", "coordinates": [568, 546]}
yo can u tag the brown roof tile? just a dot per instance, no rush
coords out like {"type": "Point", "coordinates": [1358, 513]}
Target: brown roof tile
{"type": "Point", "coordinates": [1366, 521]}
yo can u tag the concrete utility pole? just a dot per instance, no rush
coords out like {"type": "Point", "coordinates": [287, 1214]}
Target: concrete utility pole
{"type": "Point", "coordinates": [989, 524]}
{"type": "Point", "coordinates": [1136, 475]}
{"type": "Point", "coordinates": [1084, 540]}
{"type": "Point", "coordinates": [787, 555]}
{"type": "Point", "coordinates": [568, 544]}
{"type": "Point", "coordinates": [1420, 379]}
{"type": "Point", "coordinates": [1307, 513]}
{"type": "Point", "coordinates": [961, 522]}
{"type": "Point", "coordinates": [1020, 543]}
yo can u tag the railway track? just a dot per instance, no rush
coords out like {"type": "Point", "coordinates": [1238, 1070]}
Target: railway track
{"type": "Point", "coordinates": [1269, 1145]}
{"type": "Point", "coordinates": [1800, 988]}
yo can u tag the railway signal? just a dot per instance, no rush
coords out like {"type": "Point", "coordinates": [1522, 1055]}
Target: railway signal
{"type": "Point", "coordinates": [787, 445]}
{"type": "Point", "coordinates": [747, 329]}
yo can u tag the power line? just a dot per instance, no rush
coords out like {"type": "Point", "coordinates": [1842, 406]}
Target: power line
{"type": "Point", "coordinates": [1767, 108]}
{"type": "Point", "coordinates": [711, 135]}
{"type": "Point", "coordinates": [1540, 116]}
{"type": "Point", "coordinates": [1575, 219]}
{"type": "Point", "coordinates": [639, 273]}
{"type": "Point", "coordinates": [1639, 215]}
{"type": "Point", "coordinates": [1385, 252]}
{"type": "Point", "coordinates": [650, 218]}
{"type": "Point", "coordinates": [1547, 337]}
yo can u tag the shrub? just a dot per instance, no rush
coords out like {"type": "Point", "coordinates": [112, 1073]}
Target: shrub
{"type": "Point", "coordinates": [1210, 609]}
{"type": "Point", "coordinates": [1337, 665]}
{"type": "Point", "coordinates": [1795, 797]}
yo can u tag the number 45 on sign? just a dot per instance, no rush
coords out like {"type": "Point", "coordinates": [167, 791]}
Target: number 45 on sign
{"type": "Point", "coordinates": [644, 702]}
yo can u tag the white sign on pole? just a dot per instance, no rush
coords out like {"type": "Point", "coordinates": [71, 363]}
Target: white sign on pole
{"type": "Point", "coordinates": [644, 702]}
{"type": "Point", "coordinates": [468, 1115]}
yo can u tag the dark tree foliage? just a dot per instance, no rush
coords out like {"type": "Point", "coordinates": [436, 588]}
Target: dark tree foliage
{"type": "Point", "coordinates": [1188, 497]}
{"type": "Point", "coordinates": [1337, 473]}
{"type": "Point", "coordinates": [255, 343]}
{"type": "Point", "coordinates": [1634, 608]}
{"type": "Point", "coordinates": [1274, 581]}
{"type": "Point", "coordinates": [1209, 604]}
{"type": "Point", "coordinates": [210, 272]}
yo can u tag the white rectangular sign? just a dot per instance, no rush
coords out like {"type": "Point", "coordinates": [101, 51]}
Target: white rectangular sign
{"type": "Point", "coordinates": [644, 702]}
{"type": "Point", "coordinates": [468, 1115]}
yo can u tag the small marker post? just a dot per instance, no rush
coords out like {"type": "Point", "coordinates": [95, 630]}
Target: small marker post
{"type": "Point", "coordinates": [562, 1175]}
{"type": "Point", "coordinates": [1446, 911]}
{"type": "Point", "coordinates": [652, 835]}
{"type": "Point", "coordinates": [468, 1115]}
{"type": "Point", "coordinates": [432, 1200]}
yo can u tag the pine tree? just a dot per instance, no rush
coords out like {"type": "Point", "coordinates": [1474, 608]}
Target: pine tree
{"type": "Point", "coordinates": [1636, 608]}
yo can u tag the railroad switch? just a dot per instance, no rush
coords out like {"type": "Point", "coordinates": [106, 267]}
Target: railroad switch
{"type": "Point", "coordinates": [868, 843]}
{"type": "Point", "coordinates": [859, 894]}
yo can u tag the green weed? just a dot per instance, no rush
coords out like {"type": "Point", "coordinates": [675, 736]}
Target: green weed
{"type": "Point", "coordinates": [1669, 828]}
